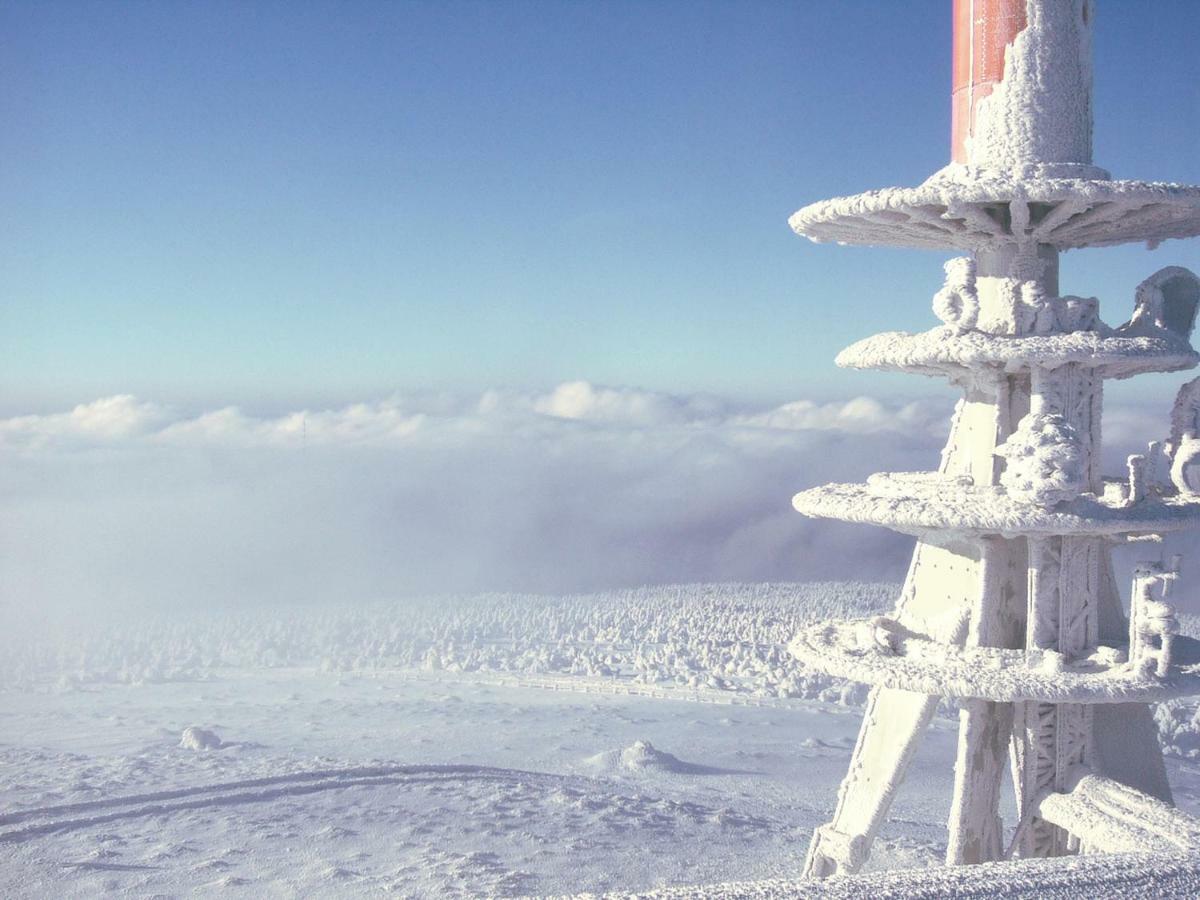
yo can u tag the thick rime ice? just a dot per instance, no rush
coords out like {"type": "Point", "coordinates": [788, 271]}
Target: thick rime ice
{"type": "Point", "coordinates": [1040, 114]}
{"type": "Point", "coordinates": [1034, 329]}
{"type": "Point", "coordinates": [882, 652]}
{"type": "Point", "coordinates": [951, 353]}
{"type": "Point", "coordinates": [1153, 626]}
{"type": "Point", "coordinates": [1043, 461]}
{"type": "Point", "coordinates": [964, 208]}
{"type": "Point", "coordinates": [922, 504]}
{"type": "Point", "coordinates": [1010, 604]}
{"type": "Point", "coordinates": [1183, 446]}
{"type": "Point", "coordinates": [957, 303]}
{"type": "Point", "coordinates": [1166, 301]}
{"type": "Point", "coordinates": [1109, 817]}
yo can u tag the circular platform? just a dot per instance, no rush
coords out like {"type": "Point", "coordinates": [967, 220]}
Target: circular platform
{"type": "Point", "coordinates": [881, 652]}
{"type": "Point", "coordinates": [963, 209]}
{"type": "Point", "coordinates": [918, 503]}
{"type": "Point", "coordinates": [945, 351]}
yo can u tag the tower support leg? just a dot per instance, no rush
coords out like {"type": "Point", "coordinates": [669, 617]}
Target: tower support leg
{"type": "Point", "coordinates": [975, 832]}
{"type": "Point", "coordinates": [1052, 739]}
{"type": "Point", "coordinates": [890, 731]}
{"type": "Point", "coordinates": [942, 586]}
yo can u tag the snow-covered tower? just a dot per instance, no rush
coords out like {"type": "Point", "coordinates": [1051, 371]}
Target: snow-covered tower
{"type": "Point", "coordinates": [1010, 604]}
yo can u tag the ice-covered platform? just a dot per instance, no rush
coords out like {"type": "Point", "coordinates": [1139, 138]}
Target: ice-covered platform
{"type": "Point", "coordinates": [946, 351]}
{"type": "Point", "coordinates": [920, 503]}
{"type": "Point", "coordinates": [883, 653]}
{"type": "Point", "coordinates": [971, 209]}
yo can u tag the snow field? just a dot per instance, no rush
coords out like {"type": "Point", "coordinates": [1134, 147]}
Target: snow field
{"type": "Point", "coordinates": [418, 784]}
{"type": "Point", "coordinates": [415, 748]}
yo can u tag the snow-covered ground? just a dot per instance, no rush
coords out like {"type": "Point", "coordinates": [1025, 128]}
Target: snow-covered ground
{"type": "Point", "coordinates": [498, 745]}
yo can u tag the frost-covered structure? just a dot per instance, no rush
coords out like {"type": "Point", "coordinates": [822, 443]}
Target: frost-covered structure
{"type": "Point", "coordinates": [1010, 605]}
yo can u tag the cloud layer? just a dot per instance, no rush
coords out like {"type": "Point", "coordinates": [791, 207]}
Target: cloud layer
{"type": "Point", "coordinates": [124, 419]}
{"type": "Point", "coordinates": [123, 502]}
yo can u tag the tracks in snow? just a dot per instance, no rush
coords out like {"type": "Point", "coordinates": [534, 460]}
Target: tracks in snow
{"type": "Point", "coordinates": [46, 820]}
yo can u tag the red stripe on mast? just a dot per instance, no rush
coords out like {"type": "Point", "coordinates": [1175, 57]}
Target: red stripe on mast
{"type": "Point", "coordinates": [982, 31]}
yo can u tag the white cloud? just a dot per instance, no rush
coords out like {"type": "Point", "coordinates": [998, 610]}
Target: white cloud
{"type": "Point", "coordinates": [359, 423]}
{"type": "Point", "coordinates": [107, 419]}
{"type": "Point", "coordinates": [862, 415]}
{"type": "Point", "coordinates": [581, 400]}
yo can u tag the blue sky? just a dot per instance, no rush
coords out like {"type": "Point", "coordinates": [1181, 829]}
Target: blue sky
{"type": "Point", "coordinates": [307, 203]}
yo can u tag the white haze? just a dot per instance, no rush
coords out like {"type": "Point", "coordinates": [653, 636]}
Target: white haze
{"type": "Point", "coordinates": [124, 502]}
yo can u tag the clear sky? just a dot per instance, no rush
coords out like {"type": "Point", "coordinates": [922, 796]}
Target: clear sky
{"type": "Point", "coordinates": [305, 203]}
